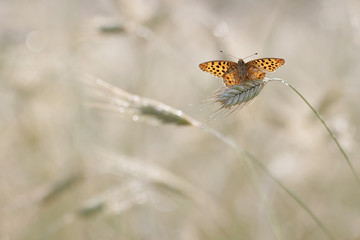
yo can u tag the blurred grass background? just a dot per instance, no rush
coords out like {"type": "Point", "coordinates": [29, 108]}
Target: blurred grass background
{"type": "Point", "coordinates": [70, 172]}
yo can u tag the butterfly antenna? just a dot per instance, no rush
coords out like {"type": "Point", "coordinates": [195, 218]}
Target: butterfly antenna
{"type": "Point", "coordinates": [228, 54]}
{"type": "Point", "coordinates": [251, 55]}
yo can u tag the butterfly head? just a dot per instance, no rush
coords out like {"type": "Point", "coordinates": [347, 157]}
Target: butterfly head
{"type": "Point", "coordinates": [241, 62]}
{"type": "Point", "coordinates": [241, 66]}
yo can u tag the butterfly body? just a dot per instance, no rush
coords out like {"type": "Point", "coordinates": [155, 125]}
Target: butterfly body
{"type": "Point", "coordinates": [236, 73]}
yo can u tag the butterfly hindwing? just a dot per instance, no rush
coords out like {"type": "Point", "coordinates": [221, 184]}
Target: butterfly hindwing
{"type": "Point", "coordinates": [232, 76]}
{"type": "Point", "coordinates": [254, 73]}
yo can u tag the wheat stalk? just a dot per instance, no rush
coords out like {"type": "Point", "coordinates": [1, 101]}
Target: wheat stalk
{"type": "Point", "coordinates": [234, 98]}
{"type": "Point", "coordinates": [109, 97]}
{"type": "Point", "coordinates": [238, 95]}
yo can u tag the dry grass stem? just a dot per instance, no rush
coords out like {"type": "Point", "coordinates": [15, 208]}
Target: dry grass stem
{"type": "Point", "coordinates": [109, 97]}
{"type": "Point", "coordinates": [332, 135]}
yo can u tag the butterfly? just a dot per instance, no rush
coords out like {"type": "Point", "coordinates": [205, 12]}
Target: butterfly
{"type": "Point", "coordinates": [237, 73]}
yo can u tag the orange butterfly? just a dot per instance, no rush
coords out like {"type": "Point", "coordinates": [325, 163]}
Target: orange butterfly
{"type": "Point", "coordinates": [236, 73]}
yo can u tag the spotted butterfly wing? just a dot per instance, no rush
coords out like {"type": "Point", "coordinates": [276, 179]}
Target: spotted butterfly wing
{"type": "Point", "coordinates": [254, 73]}
{"type": "Point", "coordinates": [225, 69]}
{"type": "Point", "coordinates": [217, 68]}
{"type": "Point", "coordinates": [233, 76]}
{"type": "Point", "coordinates": [266, 64]}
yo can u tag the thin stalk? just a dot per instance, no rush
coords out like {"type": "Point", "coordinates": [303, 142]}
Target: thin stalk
{"type": "Point", "coordinates": [325, 125]}
{"type": "Point", "coordinates": [234, 145]}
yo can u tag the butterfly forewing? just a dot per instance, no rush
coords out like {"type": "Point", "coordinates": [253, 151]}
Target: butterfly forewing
{"type": "Point", "coordinates": [217, 68]}
{"type": "Point", "coordinates": [267, 64]}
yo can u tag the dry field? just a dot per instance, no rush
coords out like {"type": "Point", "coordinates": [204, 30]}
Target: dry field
{"type": "Point", "coordinates": [126, 157]}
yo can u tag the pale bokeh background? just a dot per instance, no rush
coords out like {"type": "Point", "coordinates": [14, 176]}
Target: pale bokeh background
{"type": "Point", "coordinates": [171, 182]}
